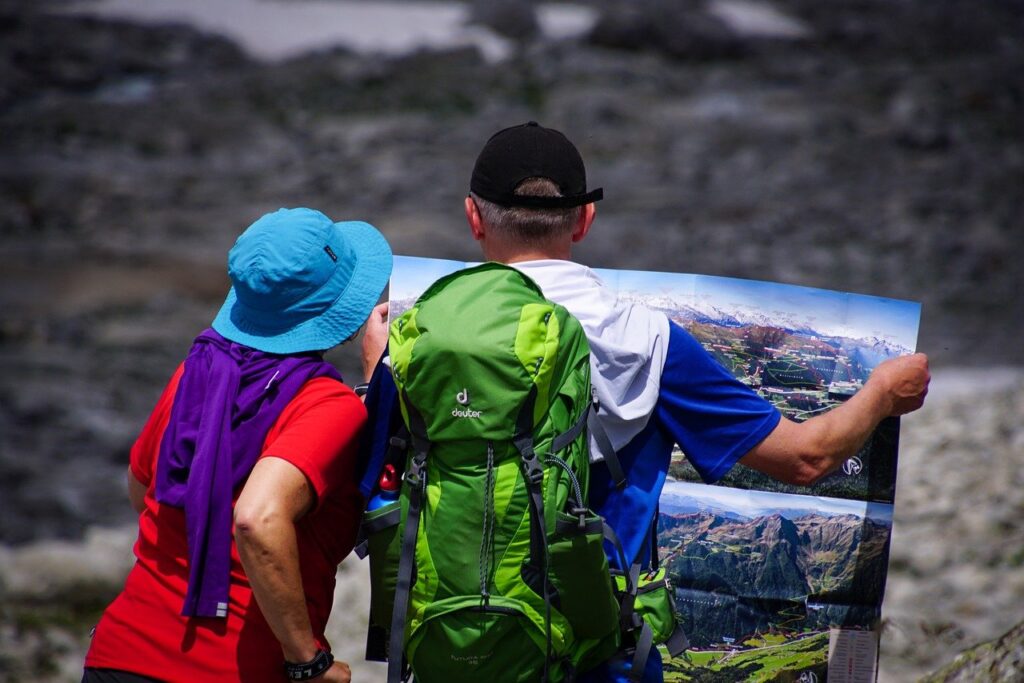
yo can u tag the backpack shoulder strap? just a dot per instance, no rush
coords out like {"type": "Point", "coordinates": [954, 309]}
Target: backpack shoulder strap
{"type": "Point", "coordinates": [568, 436]}
{"type": "Point", "coordinates": [416, 478]}
{"type": "Point", "coordinates": [611, 459]}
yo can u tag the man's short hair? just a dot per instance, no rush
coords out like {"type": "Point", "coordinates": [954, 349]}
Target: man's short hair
{"type": "Point", "coordinates": [529, 225]}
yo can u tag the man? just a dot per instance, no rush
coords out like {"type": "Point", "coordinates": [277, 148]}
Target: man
{"type": "Point", "coordinates": [254, 428]}
{"type": "Point", "coordinates": [528, 204]}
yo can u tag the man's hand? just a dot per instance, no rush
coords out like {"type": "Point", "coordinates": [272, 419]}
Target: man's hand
{"type": "Point", "coordinates": [904, 380]}
{"type": "Point", "coordinates": [338, 673]}
{"type": "Point", "coordinates": [375, 338]}
{"type": "Point", "coordinates": [801, 453]}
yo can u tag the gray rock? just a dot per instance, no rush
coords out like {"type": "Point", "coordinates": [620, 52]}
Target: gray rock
{"type": "Point", "coordinates": [999, 660]}
{"type": "Point", "coordinates": [683, 30]}
{"type": "Point", "coordinates": [515, 19]}
{"type": "Point", "coordinates": [958, 527]}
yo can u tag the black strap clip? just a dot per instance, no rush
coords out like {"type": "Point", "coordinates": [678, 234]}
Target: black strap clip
{"type": "Point", "coordinates": [532, 470]}
{"type": "Point", "coordinates": [581, 514]}
{"type": "Point", "coordinates": [415, 474]}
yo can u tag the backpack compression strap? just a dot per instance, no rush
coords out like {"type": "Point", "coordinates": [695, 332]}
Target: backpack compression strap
{"type": "Point", "coordinates": [677, 642]}
{"type": "Point", "coordinates": [640, 656]}
{"type": "Point", "coordinates": [567, 437]}
{"type": "Point", "coordinates": [533, 477]}
{"type": "Point", "coordinates": [611, 458]}
{"type": "Point", "coordinates": [676, 645]}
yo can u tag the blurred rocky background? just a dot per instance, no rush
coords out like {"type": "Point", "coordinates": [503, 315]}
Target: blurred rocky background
{"type": "Point", "coordinates": [861, 145]}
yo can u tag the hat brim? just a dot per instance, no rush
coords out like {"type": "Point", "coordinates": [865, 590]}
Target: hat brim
{"type": "Point", "coordinates": [370, 274]}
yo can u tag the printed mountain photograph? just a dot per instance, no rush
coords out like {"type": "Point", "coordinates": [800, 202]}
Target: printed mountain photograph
{"type": "Point", "coordinates": [762, 578]}
{"type": "Point", "coordinates": [804, 350]}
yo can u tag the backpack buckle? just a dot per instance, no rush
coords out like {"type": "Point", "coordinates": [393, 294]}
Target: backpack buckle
{"type": "Point", "coordinates": [416, 466]}
{"type": "Point", "coordinates": [532, 470]}
{"type": "Point", "coordinates": [581, 513]}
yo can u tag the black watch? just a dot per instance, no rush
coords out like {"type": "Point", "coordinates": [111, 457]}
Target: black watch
{"type": "Point", "coordinates": [360, 389]}
{"type": "Point", "coordinates": [311, 669]}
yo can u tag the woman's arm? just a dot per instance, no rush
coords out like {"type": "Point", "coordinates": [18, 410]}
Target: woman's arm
{"type": "Point", "coordinates": [136, 492]}
{"type": "Point", "coordinates": [275, 496]}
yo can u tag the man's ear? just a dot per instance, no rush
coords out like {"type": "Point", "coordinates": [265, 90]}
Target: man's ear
{"type": "Point", "coordinates": [476, 225]}
{"type": "Point", "coordinates": [586, 219]}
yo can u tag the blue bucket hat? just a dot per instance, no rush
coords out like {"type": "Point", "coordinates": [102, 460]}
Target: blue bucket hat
{"type": "Point", "coordinates": [301, 282]}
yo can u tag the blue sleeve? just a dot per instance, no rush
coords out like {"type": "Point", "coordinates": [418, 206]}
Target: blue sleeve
{"type": "Point", "coordinates": [715, 418]}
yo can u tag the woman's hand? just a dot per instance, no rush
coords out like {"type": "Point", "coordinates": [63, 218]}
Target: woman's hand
{"type": "Point", "coordinates": [338, 673]}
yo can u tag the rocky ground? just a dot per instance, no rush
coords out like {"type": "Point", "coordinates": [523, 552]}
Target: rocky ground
{"type": "Point", "coordinates": [865, 146]}
{"type": "Point", "coordinates": [955, 565]}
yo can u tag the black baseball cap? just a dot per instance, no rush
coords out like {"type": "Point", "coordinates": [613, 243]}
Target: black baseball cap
{"type": "Point", "coordinates": [526, 151]}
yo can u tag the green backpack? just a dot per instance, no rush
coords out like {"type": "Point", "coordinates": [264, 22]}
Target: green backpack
{"type": "Point", "coordinates": [494, 390]}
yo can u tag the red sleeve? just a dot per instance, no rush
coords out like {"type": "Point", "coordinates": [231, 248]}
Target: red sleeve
{"type": "Point", "coordinates": [318, 433]}
{"type": "Point", "coordinates": [142, 461]}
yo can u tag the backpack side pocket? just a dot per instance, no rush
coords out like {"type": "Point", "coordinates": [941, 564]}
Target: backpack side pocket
{"type": "Point", "coordinates": [384, 542]}
{"type": "Point", "coordinates": [579, 572]}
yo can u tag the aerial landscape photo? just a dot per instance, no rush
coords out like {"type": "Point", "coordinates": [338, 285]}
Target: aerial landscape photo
{"type": "Point", "coordinates": [763, 579]}
{"type": "Point", "coordinates": [805, 350]}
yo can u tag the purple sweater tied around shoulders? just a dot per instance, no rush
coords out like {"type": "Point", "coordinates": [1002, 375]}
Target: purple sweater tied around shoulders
{"type": "Point", "coordinates": [228, 398]}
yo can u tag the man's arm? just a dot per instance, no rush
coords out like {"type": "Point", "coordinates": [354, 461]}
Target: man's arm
{"type": "Point", "coordinates": [801, 453]}
{"type": "Point", "coordinates": [275, 496]}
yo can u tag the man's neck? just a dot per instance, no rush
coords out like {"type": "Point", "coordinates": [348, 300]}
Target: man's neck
{"type": "Point", "coordinates": [518, 255]}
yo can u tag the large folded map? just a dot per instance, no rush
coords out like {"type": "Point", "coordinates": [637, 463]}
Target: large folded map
{"type": "Point", "coordinates": [772, 581]}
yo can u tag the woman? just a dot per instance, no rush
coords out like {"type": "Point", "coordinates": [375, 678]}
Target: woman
{"type": "Point", "coordinates": [243, 475]}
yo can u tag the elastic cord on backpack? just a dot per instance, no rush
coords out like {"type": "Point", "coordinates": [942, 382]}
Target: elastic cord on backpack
{"type": "Point", "coordinates": [487, 534]}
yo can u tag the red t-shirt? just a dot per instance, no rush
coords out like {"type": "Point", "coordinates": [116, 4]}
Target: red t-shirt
{"type": "Point", "coordinates": [143, 632]}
